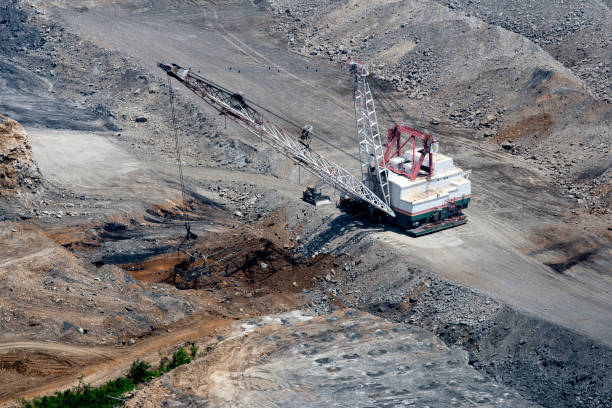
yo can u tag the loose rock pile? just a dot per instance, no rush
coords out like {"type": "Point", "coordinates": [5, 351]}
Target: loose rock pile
{"type": "Point", "coordinates": [15, 35]}
{"type": "Point", "coordinates": [575, 32]}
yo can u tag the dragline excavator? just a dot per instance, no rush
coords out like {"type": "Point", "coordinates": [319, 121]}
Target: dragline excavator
{"type": "Point", "coordinates": [394, 182]}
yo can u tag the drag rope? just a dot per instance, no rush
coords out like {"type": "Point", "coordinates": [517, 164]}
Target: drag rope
{"type": "Point", "coordinates": [189, 234]}
{"type": "Point", "coordinates": [176, 142]}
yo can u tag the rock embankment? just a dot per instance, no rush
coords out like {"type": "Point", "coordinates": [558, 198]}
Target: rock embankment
{"type": "Point", "coordinates": [18, 172]}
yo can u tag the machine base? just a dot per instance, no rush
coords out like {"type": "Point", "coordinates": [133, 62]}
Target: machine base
{"type": "Point", "coordinates": [361, 208]}
{"type": "Point", "coordinates": [437, 226]}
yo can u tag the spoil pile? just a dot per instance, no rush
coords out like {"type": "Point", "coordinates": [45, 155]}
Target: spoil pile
{"type": "Point", "coordinates": [575, 32]}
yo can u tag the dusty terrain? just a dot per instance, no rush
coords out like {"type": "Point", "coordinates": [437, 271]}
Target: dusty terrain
{"type": "Point", "coordinates": [342, 359]}
{"type": "Point", "coordinates": [519, 298]}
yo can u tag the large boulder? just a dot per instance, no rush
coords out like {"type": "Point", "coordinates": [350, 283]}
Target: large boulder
{"type": "Point", "coordinates": [19, 175]}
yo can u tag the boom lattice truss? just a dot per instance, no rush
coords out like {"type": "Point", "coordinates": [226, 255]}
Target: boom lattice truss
{"type": "Point", "coordinates": [234, 106]}
{"type": "Point", "coordinates": [371, 151]}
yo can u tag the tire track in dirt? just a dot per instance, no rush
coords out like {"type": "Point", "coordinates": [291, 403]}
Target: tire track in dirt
{"type": "Point", "coordinates": [262, 57]}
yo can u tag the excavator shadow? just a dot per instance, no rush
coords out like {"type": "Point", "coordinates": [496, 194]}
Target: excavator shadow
{"type": "Point", "coordinates": [345, 224]}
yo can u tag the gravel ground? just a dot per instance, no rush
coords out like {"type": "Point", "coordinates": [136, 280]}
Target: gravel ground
{"type": "Point", "coordinates": [548, 364]}
{"type": "Point", "coordinates": [86, 87]}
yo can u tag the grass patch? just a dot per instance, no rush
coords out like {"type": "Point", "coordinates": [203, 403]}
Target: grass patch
{"type": "Point", "coordinates": [109, 394]}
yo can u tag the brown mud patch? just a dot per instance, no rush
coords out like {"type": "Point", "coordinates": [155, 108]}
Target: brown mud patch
{"type": "Point", "coordinates": [197, 208]}
{"type": "Point", "coordinates": [32, 369]}
{"type": "Point", "coordinates": [22, 370]}
{"type": "Point", "coordinates": [257, 258]}
{"type": "Point", "coordinates": [156, 269]}
{"type": "Point", "coordinates": [536, 125]}
{"type": "Point", "coordinates": [75, 237]}
{"type": "Point", "coordinates": [36, 363]}
{"type": "Point", "coordinates": [233, 271]}
{"type": "Point", "coordinates": [255, 263]}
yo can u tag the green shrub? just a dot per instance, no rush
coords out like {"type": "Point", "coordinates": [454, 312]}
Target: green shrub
{"type": "Point", "coordinates": [179, 358]}
{"type": "Point", "coordinates": [85, 396]}
{"type": "Point", "coordinates": [139, 372]}
{"type": "Point", "coordinates": [163, 365]}
{"type": "Point", "coordinates": [193, 350]}
{"type": "Point", "coordinates": [109, 394]}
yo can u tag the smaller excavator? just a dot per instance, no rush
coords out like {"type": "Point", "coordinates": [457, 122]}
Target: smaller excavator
{"type": "Point", "coordinates": [312, 195]}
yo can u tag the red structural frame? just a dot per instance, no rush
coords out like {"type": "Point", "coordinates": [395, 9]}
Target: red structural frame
{"type": "Point", "coordinates": [395, 144]}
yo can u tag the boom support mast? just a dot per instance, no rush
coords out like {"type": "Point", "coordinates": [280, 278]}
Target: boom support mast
{"type": "Point", "coordinates": [371, 153]}
{"type": "Point", "coordinates": [235, 106]}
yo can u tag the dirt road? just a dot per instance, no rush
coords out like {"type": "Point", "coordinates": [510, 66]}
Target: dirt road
{"type": "Point", "coordinates": [518, 224]}
{"type": "Point", "coordinates": [99, 364]}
